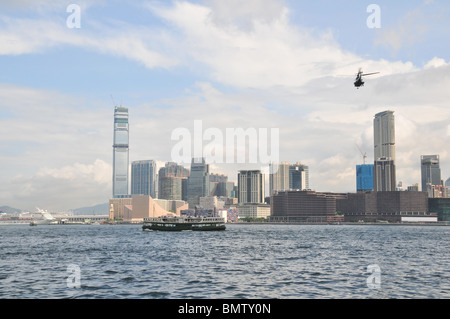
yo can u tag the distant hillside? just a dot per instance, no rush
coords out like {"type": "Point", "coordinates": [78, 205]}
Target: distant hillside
{"type": "Point", "coordinates": [101, 209]}
{"type": "Point", "coordinates": [10, 210]}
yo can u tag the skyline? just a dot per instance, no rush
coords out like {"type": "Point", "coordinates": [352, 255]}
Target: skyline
{"type": "Point", "coordinates": [271, 64]}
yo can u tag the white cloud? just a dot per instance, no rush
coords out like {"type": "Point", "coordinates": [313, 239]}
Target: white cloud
{"type": "Point", "coordinates": [282, 78]}
{"type": "Point", "coordinates": [259, 48]}
{"type": "Point", "coordinates": [56, 189]}
{"type": "Point", "coordinates": [24, 36]}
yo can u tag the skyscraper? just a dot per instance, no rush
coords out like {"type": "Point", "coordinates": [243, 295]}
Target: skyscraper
{"type": "Point", "coordinates": [364, 177]}
{"type": "Point", "coordinates": [171, 179]}
{"type": "Point", "coordinates": [298, 176]}
{"type": "Point", "coordinates": [120, 153]}
{"type": "Point", "coordinates": [384, 152]}
{"type": "Point", "coordinates": [198, 182]}
{"type": "Point", "coordinates": [251, 187]}
{"type": "Point", "coordinates": [143, 178]}
{"type": "Point", "coordinates": [431, 172]}
{"type": "Point", "coordinates": [286, 176]}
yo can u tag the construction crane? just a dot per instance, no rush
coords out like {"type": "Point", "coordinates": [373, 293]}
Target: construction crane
{"type": "Point", "coordinates": [364, 155]}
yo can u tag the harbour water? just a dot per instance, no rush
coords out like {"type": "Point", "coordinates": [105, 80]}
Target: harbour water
{"type": "Point", "coordinates": [245, 261]}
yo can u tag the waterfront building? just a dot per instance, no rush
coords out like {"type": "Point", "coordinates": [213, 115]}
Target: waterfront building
{"type": "Point", "coordinates": [364, 178]}
{"type": "Point", "coordinates": [253, 210]}
{"type": "Point", "coordinates": [441, 206]}
{"type": "Point", "coordinates": [384, 152]}
{"type": "Point", "coordinates": [116, 207]}
{"type": "Point", "coordinates": [302, 206]}
{"type": "Point", "coordinates": [121, 153]}
{"type": "Point", "coordinates": [198, 184]}
{"type": "Point", "coordinates": [145, 206]}
{"type": "Point", "coordinates": [143, 178]}
{"type": "Point", "coordinates": [391, 206]}
{"type": "Point", "coordinates": [430, 171]}
{"type": "Point", "coordinates": [251, 186]}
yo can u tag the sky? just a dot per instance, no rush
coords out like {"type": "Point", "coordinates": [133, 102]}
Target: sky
{"type": "Point", "coordinates": [255, 64]}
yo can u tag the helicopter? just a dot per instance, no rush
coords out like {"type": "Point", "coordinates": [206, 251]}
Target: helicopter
{"type": "Point", "coordinates": [358, 81]}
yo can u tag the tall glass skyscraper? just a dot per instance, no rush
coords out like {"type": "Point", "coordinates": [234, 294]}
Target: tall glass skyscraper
{"type": "Point", "coordinates": [120, 153]}
{"type": "Point", "coordinates": [143, 178]}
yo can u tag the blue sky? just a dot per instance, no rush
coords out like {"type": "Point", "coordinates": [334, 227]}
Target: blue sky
{"type": "Point", "coordinates": [259, 63]}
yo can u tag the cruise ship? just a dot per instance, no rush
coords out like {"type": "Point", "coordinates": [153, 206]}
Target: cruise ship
{"type": "Point", "coordinates": [42, 217]}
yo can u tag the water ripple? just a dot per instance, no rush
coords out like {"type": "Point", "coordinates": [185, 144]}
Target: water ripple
{"type": "Point", "coordinates": [245, 261]}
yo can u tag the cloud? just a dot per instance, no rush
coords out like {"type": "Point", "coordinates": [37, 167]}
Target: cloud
{"type": "Point", "coordinates": [75, 186]}
{"type": "Point", "coordinates": [258, 70]}
{"type": "Point", "coordinates": [259, 48]}
{"type": "Point", "coordinates": [38, 35]}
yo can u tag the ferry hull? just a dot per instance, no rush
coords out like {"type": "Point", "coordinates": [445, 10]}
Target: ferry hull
{"type": "Point", "coordinates": [176, 225]}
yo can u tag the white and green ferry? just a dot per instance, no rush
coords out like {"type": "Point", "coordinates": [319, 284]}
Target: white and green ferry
{"type": "Point", "coordinates": [177, 223]}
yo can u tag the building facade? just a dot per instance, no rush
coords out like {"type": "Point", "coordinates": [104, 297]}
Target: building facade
{"type": "Point", "coordinates": [143, 178]}
{"type": "Point", "coordinates": [121, 153]}
{"type": "Point", "coordinates": [253, 210]}
{"type": "Point", "coordinates": [389, 206]}
{"type": "Point", "coordinates": [364, 178]}
{"type": "Point", "coordinates": [430, 171]}
{"type": "Point", "coordinates": [251, 186]}
{"type": "Point", "coordinates": [287, 176]}
{"type": "Point", "coordinates": [198, 184]}
{"type": "Point", "coordinates": [384, 175]}
{"type": "Point", "coordinates": [384, 151]}
{"type": "Point", "coordinates": [172, 182]}
{"type": "Point", "coordinates": [302, 206]}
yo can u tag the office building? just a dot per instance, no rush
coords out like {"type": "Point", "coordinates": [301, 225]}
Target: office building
{"type": "Point", "coordinates": [120, 153]}
{"type": "Point", "coordinates": [286, 176]}
{"type": "Point", "coordinates": [143, 178]}
{"type": "Point", "coordinates": [384, 152]}
{"type": "Point", "coordinates": [251, 187]}
{"type": "Point", "coordinates": [393, 206]}
{"type": "Point", "coordinates": [364, 178]}
{"type": "Point", "coordinates": [298, 176]}
{"type": "Point", "coordinates": [430, 170]}
{"type": "Point", "coordinates": [172, 181]}
{"type": "Point", "coordinates": [302, 206]}
{"type": "Point", "coordinates": [170, 188]}
{"type": "Point", "coordinates": [198, 184]}
{"type": "Point", "coordinates": [384, 175]}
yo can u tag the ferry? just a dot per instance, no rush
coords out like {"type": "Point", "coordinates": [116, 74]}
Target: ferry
{"type": "Point", "coordinates": [177, 223]}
